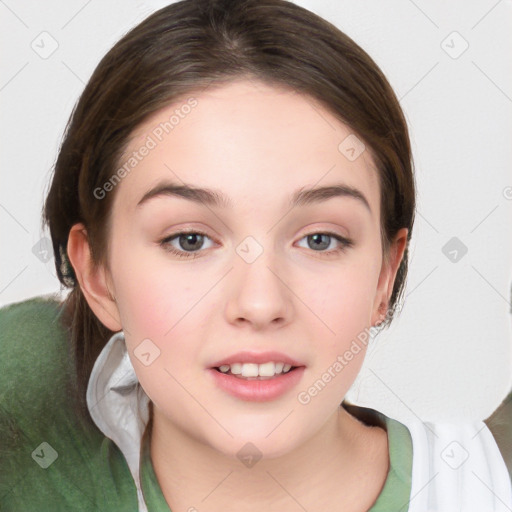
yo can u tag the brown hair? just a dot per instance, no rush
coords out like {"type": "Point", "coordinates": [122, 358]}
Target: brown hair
{"type": "Point", "coordinates": [183, 48]}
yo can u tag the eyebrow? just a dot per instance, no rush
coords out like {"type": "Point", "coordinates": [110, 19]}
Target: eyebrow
{"type": "Point", "coordinates": [216, 198]}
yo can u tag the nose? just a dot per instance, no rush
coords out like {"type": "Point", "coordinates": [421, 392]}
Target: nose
{"type": "Point", "coordinates": [259, 294]}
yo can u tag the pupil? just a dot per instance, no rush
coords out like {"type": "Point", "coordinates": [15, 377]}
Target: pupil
{"type": "Point", "coordinates": [319, 236]}
{"type": "Point", "coordinates": [193, 237]}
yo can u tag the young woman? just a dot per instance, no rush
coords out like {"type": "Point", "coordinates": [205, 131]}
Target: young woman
{"type": "Point", "coordinates": [231, 208]}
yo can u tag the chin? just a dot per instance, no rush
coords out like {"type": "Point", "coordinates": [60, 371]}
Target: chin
{"type": "Point", "coordinates": [257, 443]}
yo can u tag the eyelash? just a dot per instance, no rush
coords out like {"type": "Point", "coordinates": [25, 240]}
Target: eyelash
{"type": "Point", "coordinates": [345, 243]}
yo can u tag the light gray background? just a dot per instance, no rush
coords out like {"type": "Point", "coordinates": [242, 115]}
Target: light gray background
{"type": "Point", "coordinates": [448, 355]}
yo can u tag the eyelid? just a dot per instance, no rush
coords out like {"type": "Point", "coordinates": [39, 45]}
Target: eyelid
{"type": "Point", "coordinates": [165, 241]}
{"type": "Point", "coordinates": [186, 231]}
{"type": "Point", "coordinates": [345, 242]}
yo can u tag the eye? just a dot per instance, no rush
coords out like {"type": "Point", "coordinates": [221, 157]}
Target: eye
{"type": "Point", "coordinates": [186, 241]}
{"type": "Point", "coordinates": [322, 240]}
{"type": "Point", "coordinates": [191, 242]}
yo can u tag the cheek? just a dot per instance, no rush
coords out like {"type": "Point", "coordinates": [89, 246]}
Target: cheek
{"type": "Point", "coordinates": [343, 303]}
{"type": "Point", "coordinates": [160, 320]}
{"type": "Point", "coordinates": [150, 295]}
{"type": "Point", "coordinates": [144, 299]}
{"type": "Point", "coordinates": [160, 309]}
{"type": "Point", "coordinates": [344, 297]}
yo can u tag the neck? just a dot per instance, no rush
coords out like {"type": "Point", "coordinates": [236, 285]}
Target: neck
{"type": "Point", "coordinates": [346, 463]}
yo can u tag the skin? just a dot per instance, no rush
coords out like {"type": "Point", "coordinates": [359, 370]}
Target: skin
{"type": "Point", "coordinates": [257, 144]}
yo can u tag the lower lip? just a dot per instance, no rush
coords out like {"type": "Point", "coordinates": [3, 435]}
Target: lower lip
{"type": "Point", "coordinates": [257, 390]}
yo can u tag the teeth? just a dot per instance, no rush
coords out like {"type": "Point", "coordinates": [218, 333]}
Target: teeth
{"type": "Point", "coordinates": [256, 370]}
{"type": "Point", "coordinates": [235, 368]}
{"type": "Point", "coordinates": [266, 370]}
{"type": "Point", "coordinates": [249, 370]}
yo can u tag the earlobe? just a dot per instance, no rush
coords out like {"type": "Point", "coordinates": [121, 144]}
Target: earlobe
{"type": "Point", "coordinates": [388, 275]}
{"type": "Point", "coordinates": [93, 281]}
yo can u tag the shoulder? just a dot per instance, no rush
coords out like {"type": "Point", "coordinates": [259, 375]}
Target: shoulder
{"type": "Point", "coordinates": [50, 458]}
{"type": "Point", "coordinates": [452, 463]}
{"type": "Point", "coordinates": [500, 425]}
{"type": "Point", "coordinates": [35, 369]}
{"type": "Point", "coordinates": [29, 320]}
{"type": "Point", "coordinates": [34, 353]}
{"type": "Point", "coordinates": [461, 461]}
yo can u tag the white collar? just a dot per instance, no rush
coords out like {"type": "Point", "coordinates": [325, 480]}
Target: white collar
{"type": "Point", "coordinates": [118, 404]}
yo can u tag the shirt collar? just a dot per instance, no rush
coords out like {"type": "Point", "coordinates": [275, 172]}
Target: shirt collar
{"type": "Point", "coordinates": [118, 405]}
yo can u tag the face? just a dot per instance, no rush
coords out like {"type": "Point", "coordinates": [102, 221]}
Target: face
{"type": "Point", "coordinates": [196, 282]}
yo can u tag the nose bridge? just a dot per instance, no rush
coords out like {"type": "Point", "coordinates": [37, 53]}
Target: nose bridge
{"type": "Point", "coordinates": [259, 294]}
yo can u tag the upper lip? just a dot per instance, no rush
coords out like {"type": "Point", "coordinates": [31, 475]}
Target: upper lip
{"type": "Point", "coordinates": [257, 358]}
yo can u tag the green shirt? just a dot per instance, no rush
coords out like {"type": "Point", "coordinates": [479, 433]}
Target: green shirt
{"type": "Point", "coordinates": [52, 459]}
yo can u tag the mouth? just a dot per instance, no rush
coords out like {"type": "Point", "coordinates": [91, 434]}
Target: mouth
{"type": "Point", "coordinates": [256, 382]}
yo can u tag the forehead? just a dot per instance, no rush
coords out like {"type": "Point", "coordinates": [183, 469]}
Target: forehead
{"type": "Point", "coordinates": [249, 139]}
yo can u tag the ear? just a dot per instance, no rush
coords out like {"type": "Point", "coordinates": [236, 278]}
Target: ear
{"type": "Point", "coordinates": [387, 276]}
{"type": "Point", "coordinates": [94, 282]}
